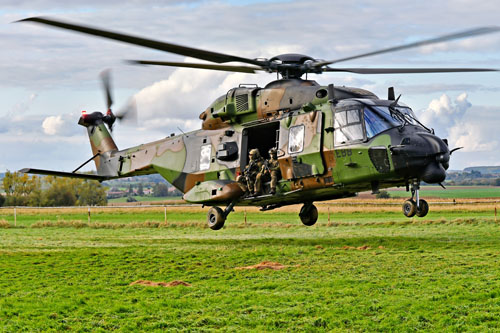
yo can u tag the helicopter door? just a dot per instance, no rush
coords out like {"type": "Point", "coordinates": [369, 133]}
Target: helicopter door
{"type": "Point", "coordinates": [300, 143]}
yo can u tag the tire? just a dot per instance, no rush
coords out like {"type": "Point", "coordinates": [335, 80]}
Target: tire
{"type": "Point", "coordinates": [215, 218]}
{"type": "Point", "coordinates": [424, 208]}
{"type": "Point", "coordinates": [308, 215]}
{"type": "Point", "coordinates": [409, 208]}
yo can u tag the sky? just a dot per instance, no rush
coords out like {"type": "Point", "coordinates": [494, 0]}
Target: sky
{"type": "Point", "coordinates": [48, 76]}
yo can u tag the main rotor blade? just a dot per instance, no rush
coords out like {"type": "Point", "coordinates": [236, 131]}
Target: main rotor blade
{"type": "Point", "coordinates": [463, 34]}
{"type": "Point", "coordinates": [106, 84]}
{"type": "Point", "coordinates": [407, 70]}
{"type": "Point", "coordinates": [153, 44]}
{"type": "Point", "coordinates": [227, 68]}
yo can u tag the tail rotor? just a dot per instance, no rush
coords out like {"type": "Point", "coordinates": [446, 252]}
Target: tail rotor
{"type": "Point", "coordinates": [126, 114]}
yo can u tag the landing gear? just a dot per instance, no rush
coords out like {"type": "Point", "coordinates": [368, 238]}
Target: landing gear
{"type": "Point", "coordinates": [409, 208]}
{"type": "Point", "coordinates": [423, 208]}
{"type": "Point", "coordinates": [415, 205]}
{"type": "Point", "coordinates": [308, 214]}
{"type": "Point", "coordinates": [216, 216]}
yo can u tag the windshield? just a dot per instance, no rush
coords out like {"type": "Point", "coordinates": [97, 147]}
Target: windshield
{"type": "Point", "coordinates": [381, 118]}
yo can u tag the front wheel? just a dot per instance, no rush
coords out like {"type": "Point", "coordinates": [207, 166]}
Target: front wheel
{"type": "Point", "coordinates": [423, 208]}
{"type": "Point", "coordinates": [308, 215]}
{"type": "Point", "coordinates": [409, 208]}
{"type": "Point", "coordinates": [215, 218]}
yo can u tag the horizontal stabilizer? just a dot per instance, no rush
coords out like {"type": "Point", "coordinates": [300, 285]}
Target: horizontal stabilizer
{"type": "Point", "coordinates": [64, 174]}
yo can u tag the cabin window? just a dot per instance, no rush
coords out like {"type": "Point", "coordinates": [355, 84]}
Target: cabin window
{"type": "Point", "coordinates": [296, 139]}
{"type": "Point", "coordinates": [348, 127]}
{"type": "Point", "coordinates": [205, 154]}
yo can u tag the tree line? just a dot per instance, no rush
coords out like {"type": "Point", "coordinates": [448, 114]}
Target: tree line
{"type": "Point", "coordinates": [24, 190]}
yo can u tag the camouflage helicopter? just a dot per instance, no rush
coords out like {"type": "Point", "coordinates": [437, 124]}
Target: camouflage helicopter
{"type": "Point", "coordinates": [332, 142]}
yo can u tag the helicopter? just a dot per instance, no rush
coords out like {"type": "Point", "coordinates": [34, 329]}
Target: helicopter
{"type": "Point", "coordinates": [332, 141]}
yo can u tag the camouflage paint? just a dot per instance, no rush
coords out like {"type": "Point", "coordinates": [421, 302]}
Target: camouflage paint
{"type": "Point", "coordinates": [319, 171]}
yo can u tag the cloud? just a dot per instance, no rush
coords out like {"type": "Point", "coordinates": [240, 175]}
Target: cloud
{"type": "Point", "coordinates": [61, 125]}
{"type": "Point", "coordinates": [52, 125]}
{"type": "Point", "coordinates": [472, 136]}
{"type": "Point", "coordinates": [463, 124]}
{"type": "Point", "coordinates": [442, 112]}
{"type": "Point", "coordinates": [62, 67]}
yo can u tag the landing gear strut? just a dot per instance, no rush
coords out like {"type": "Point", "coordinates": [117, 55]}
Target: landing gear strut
{"type": "Point", "coordinates": [216, 216]}
{"type": "Point", "coordinates": [308, 214]}
{"type": "Point", "coordinates": [415, 205]}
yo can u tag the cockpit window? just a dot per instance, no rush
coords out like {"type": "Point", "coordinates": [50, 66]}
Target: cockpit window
{"type": "Point", "coordinates": [409, 115]}
{"type": "Point", "coordinates": [380, 118]}
{"type": "Point", "coordinates": [348, 127]}
{"type": "Point", "coordinates": [348, 124]}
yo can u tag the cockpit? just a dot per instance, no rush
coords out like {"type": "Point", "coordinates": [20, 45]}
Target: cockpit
{"type": "Point", "coordinates": [363, 122]}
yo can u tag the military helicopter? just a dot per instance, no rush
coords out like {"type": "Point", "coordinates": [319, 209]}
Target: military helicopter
{"type": "Point", "coordinates": [333, 142]}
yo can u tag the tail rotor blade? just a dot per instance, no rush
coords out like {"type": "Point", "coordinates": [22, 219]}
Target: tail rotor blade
{"type": "Point", "coordinates": [106, 84]}
{"type": "Point", "coordinates": [128, 114]}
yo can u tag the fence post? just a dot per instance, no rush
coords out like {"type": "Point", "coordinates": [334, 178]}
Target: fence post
{"type": "Point", "coordinates": [15, 217]}
{"type": "Point", "coordinates": [495, 214]}
{"type": "Point", "coordinates": [165, 211]}
{"type": "Point", "coordinates": [245, 216]}
{"type": "Point", "coordinates": [89, 214]}
{"type": "Point", "coordinates": [329, 222]}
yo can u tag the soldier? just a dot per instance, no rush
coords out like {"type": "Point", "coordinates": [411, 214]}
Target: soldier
{"type": "Point", "coordinates": [246, 181]}
{"type": "Point", "coordinates": [270, 169]}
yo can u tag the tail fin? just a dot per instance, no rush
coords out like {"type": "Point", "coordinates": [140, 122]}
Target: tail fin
{"type": "Point", "coordinates": [101, 141]}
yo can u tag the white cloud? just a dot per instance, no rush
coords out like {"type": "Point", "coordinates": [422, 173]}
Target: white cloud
{"type": "Point", "coordinates": [473, 137]}
{"type": "Point", "coordinates": [443, 112]}
{"type": "Point", "coordinates": [61, 125]}
{"type": "Point", "coordinates": [52, 125]}
{"type": "Point", "coordinates": [461, 123]}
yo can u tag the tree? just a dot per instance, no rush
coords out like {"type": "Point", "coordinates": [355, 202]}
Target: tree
{"type": "Point", "coordinates": [20, 189]}
{"type": "Point", "coordinates": [61, 191]}
{"type": "Point", "coordinates": [160, 190]}
{"type": "Point", "coordinates": [130, 190]}
{"type": "Point", "coordinates": [140, 190]}
{"type": "Point", "coordinates": [2, 200]}
{"type": "Point", "coordinates": [91, 193]}
{"type": "Point", "coordinates": [497, 182]}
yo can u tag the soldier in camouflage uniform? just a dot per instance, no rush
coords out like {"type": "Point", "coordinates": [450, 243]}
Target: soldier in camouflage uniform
{"type": "Point", "coordinates": [246, 181]}
{"type": "Point", "coordinates": [270, 169]}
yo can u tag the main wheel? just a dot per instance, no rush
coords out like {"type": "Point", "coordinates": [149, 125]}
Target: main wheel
{"type": "Point", "coordinates": [308, 215]}
{"type": "Point", "coordinates": [423, 208]}
{"type": "Point", "coordinates": [409, 208]}
{"type": "Point", "coordinates": [215, 218]}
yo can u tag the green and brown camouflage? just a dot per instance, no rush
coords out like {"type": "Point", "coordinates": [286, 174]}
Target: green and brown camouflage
{"type": "Point", "coordinates": [299, 118]}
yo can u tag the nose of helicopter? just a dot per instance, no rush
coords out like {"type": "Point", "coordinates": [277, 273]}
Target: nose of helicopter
{"type": "Point", "coordinates": [423, 156]}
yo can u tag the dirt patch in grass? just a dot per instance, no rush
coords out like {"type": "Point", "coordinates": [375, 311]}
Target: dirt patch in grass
{"type": "Point", "coordinates": [4, 224]}
{"type": "Point", "coordinates": [148, 283]}
{"type": "Point", "coordinates": [276, 266]}
{"type": "Point", "coordinates": [359, 248]}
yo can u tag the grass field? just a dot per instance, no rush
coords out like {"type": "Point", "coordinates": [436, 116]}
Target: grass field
{"type": "Point", "coordinates": [369, 269]}
{"type": "Point", "coordinates": [452, 192]}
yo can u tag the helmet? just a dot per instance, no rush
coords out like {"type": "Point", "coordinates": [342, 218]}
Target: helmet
{"type": "Point", "coordinates": [273, 152]}
{"type": "Point", "coordinates": [254, 153]}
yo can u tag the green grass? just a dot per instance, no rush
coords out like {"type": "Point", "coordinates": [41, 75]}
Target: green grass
{"type": "Point", "coordinates": [441, 273]}
{"type": "Point", "coordinates": [452, 192]}
{"type": "Point", "coordinates": [237, 218]}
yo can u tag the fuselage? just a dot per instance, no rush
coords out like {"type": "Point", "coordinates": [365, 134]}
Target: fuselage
{"type": "Point", "coordinates": [332, 143]}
